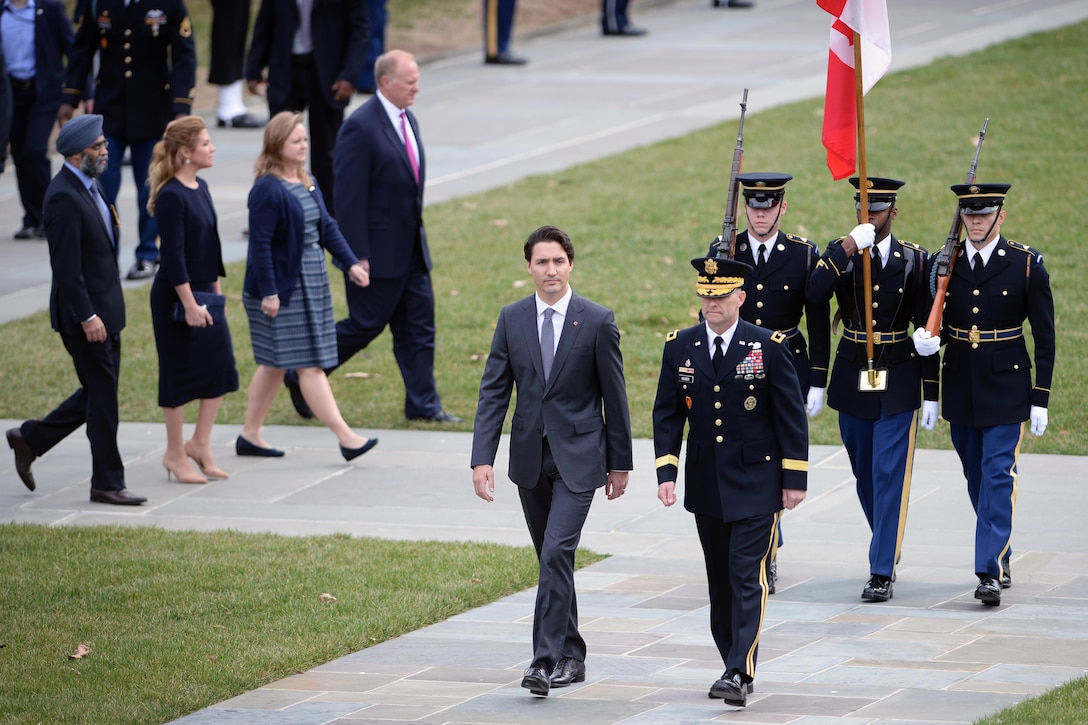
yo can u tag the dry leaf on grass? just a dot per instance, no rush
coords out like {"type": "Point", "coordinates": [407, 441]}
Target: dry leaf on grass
{"type": "Point", "coordinates": [327, 598]}
{"type": "Point", "coordinates": [81, 651]}
{"type": "Point", "coordinates": [362, 376]}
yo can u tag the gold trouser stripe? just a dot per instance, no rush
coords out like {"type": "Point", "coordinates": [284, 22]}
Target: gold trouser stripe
{"type": "Point", "coordinates": [793, 464]}
{"type": "Point", "coordinates": [1015, 489]}
{"type": "Point", "coordinates": [905, 500]}
{"type": "Point", "coordinates": [669, 460]}
{"type": "Point", "coordinates": [765, 588]}
{"type": "Point", "coordinates": [491, 12]}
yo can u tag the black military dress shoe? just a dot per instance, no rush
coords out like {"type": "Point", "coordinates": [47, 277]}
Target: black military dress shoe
{"type": "Point", "coordinates": [567, 671]}
{"type": "Point", "coordinates": [297, 399]}
{"type": "Point", "coordinates": [142, 269]}
{"type": "Point", "coordinates": [442, 416]}
{"type": "Point", "coordinates": [30, 233]}
{"type": "Point", "coordinates": [988, 591]}
{"type": "Point", "coordinates": [629, 31]}
{"type": "Point", "coordinates": [23, 457]}
{"type": "Point", "coordinates": [243, 120]}
{"type": "Point", "coordinates": [536, 680]}
{"type": "Point", "coordinates": [877, 589]}
{"type": "Point", "coordinates": [732, 688]}
{"type": "Point", "coordinates": [505, 59]}
{"type": "Point", "coordinates": [124, 497]}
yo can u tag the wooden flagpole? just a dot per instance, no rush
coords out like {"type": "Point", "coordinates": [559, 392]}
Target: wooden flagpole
{"type": "Point", "coordinates": [863, 198]}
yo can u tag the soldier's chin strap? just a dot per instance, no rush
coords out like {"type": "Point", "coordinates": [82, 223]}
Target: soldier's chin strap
{"type": "Point", "coordinates": [879, 236]}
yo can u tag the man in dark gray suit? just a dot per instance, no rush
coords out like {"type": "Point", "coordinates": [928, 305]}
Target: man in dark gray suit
{"type": "Point", "coordinates": [87, 308]}
{"type": "Point", "coordinates": [562, 352]}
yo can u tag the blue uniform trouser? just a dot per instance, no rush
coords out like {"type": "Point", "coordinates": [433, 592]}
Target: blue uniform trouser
{"type": "Point", "coordinates": [989, 457]}
{"type": "Point", "coordinates": [498, 24]}
{"type": "Point", "coordinates": [882, 456]}
{"type": "Point", "coordinates": [140, 152]}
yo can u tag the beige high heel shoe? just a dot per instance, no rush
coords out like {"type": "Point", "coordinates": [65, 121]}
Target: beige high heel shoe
{"type": "Point", "coordinates": [211, 470]}
{"type": "Point", "coordinates": [182, 475]}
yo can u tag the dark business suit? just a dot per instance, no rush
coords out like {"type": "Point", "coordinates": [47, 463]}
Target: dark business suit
{"type": "Point", "coordinates": [382, 219]}
{"type": "Point", "coordinates": [86, 282]}
{"type": "Point", "coordinates": [582, 411]}
{"type": "Point", "coordinates": [299, 82]}
{"type": "Point", "coordinates": [747, 440]}
{"type": "Point", "coordinates": [34, 106]}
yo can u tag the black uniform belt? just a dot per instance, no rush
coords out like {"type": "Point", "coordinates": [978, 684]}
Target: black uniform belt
{"type": "Point", "coordinates": [879, 338]}
{"type": "Point", "coordinates": [977, 335]}
{"type": "Point", "coordinates": [21, 84]}
{"type": "Point", "coordinates": [303, 59]}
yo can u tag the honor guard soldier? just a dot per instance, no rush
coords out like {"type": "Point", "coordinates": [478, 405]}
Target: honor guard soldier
{"type": "Point", "coordinates": [878, 423]}
{"type": "Point", "coordinates": [995, 285]}
{"type": "Point", "coordinates": [776, 290]}
{"type": "Point", "coordinates": [146, 78]}
{"type": "Point", "coordinates": [734, 385]}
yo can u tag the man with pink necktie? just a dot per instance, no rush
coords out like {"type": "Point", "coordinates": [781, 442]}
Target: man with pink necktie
{"type": "Point", "coordinates": [379, 171]}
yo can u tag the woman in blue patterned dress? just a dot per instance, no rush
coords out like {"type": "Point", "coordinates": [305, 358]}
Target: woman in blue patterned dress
{"type": "Point", "coordinates": [286, 290]}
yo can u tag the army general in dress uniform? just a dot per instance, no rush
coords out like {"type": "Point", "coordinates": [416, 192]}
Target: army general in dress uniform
{"type": "Point", "coordinates": [734, 385]}
{"type": "Point", "coordinates": [878, 427]}
{"type": "Point", "coordinates": [995, 285]}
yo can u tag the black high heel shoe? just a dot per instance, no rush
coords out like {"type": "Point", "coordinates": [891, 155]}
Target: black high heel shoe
{"type": "Point", "coordinates": [244, 448]}
{"type": "Point", "coordinates": [351, 454]}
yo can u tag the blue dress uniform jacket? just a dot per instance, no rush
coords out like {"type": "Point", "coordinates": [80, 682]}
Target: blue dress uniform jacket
{"type": "Point", "coordinates": [988, 382]}
{"type": "Point", "coordinates": [747, 430]}
{"type": "Point", "coordinates": [147, 68]}
{"type": "Point", "coordinates": [777, 299]}
{"type": "Point", "coordinates": [900, 297]}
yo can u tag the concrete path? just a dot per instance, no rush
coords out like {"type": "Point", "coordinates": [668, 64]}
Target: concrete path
{"type": "Point", "coordinates": [932, 654]}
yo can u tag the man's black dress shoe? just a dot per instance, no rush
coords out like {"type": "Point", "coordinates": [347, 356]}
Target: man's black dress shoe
{"type": "Point", "coordinates": [243, 120]}
{"type": "Point", "coordinates": [23, 457]}
{"type": "Point", "coordinates": [142, 269]}
{"type": "Point", "coordinates": [350, 454]}
{"type": "Point", "coordinates": [30, 233]}
{"type": "Point", "coordinates": [733, 689]}
{"type": "Point", "coordinates": [536, 680]}
{"type": "Point", "coordinates": [244, 448]}
{"type": "Point", "coordinates": [505, 59]}
{"type": "Point", "coordinates": [297, 399]}
{"type": "Point", "coordinates": [877, 589]}
{"type": "Point", "coordinates": [124, 497]}
{"type": "Point", "coordinates": [628, 30]}
{"type": "Point", "coordinates": [567, 671]}
{"type": "Point", "coordinates": [988, 591]}
{"type": "Point", "coordinates": [442, 416]}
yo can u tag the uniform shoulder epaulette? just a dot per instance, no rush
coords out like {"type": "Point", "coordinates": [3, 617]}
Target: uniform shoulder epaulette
{"type": "Point", "coordinates": [778, 337]}
{"type": "Point", "coordinates": [800, 240]}
{"type": "Point", "coordinates": [671, 336]}
{"type": "Point", "coordinates": [912, 245]}
{"type": "Point", "coordinates": [1013, 244]}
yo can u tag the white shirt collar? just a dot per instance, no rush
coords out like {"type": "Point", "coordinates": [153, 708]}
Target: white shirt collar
{"type": "Point", "coordinates": [883, 248]}
{"type": "Point", "coordinates": [560, 306]}
{"type": "Point", "coordinates": [391, 110]}
{"type": "Point", "coordinates": [986, 251]}
{"type": "Point", "coordinates": [727, 337]}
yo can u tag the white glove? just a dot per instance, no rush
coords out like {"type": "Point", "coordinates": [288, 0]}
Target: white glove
{"type": "Point", "coordinates": [863, 236]}
{"type": "Point", "coordinates": [815, 402]}
{"type": "Point", "coordinates": [1038, 420]}
{"type": "Point", "coordinates": [925, 343]}
{"type": "Point", "coordinates": [929, 414]}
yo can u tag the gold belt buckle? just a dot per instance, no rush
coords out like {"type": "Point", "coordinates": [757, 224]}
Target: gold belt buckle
{"type": "Point", "coordinates": [972, 334]}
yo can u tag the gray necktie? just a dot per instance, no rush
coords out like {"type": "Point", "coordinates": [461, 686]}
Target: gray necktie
{"type": "Point", "coordinates": [547, 342]}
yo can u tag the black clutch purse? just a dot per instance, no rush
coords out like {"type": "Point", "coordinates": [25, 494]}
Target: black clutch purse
{"type": "Point", "coordinates": [215, 304]}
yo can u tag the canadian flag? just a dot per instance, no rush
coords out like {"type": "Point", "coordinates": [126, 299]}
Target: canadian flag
{"type": "Point", "coordinates": [869, 19]}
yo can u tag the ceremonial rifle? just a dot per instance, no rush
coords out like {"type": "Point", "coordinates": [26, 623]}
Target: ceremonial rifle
{"type": "Point", "coordinates": [946, 258]}
{"type": "Point", "coordinates": [728, 241]}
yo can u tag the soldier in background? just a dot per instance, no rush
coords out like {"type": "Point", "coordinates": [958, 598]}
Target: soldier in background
{"type": "Point", "coordinates": [878, 426]}
{"type": "Point", "coordinates": [996, 285]}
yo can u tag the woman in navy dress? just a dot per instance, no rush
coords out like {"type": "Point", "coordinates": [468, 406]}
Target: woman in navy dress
{"type": "Point", "coordinates": [286, 290]}
{"type": "Point", "coordinates": [196, 358]}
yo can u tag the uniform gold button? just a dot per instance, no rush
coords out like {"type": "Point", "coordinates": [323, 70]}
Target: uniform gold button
{"type": "Point", "coordinates": [785, 288]}
{"type": "Point", "coordinates": [974, 310]}
{"type": "Point", "coordinates": [766, 458]}
{"type": "Point", "coordinates": [717, 404]}
{"type": "Point", "coordinates": [128, 59]}
{"type": "Point", "coordinates": [128, 32]}
{"type": "Point", "coordinates": [875, 305]}
{"type": "Point", "coordinates": [717, 388]}
{"type": "Point", "coordinates": [759, 286]}
{"type": "Point", "coordinates": [974, 345]}
{"type": "Point", "coordinates": [900, 290]}
{"type": "Point", "coordinates": [1015, 367]}
{"type": "Point", "coordinates": [876, 288]}
{"type": "Point", "coordinates": [719, 439]}
{"type": "Point", "coordinates": [751, 387]}
{"type": "Point", "coordinates": [128, 74]}
{"type": "Point", "coordinates": [759, 322]}
{"type": "Point", "coordinates": [759, 304]}
{"type": "Point", "coordinates": [718, 422]}
{"type": "Point", "coordinates": [1004, 293]}
{"type": "Point", "coordinates": [127, 46]}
